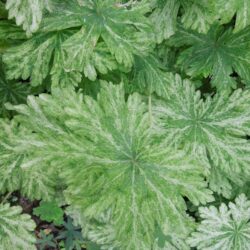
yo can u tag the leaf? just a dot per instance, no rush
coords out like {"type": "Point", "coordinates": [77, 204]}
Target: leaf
{"type": "Point", "coordinates": [33, 59]}
{"type": "Point", "coordinates": [239, 8]}
{"type": "Point", "coordinates": [71, 235]}
{"type": "Point", "coordinates": [10, 35]}
{"type": "Point", "coordinates": [11, 91]}
{"type": "Point", "coordinates": [27, 13]}
{"type": "Point", "coordinates": [216, 54]}
{"type": "Point", "coordinates": [110, 145]}
{"type": "Point", "coordinates": [121, 29]}
{"type": "Point", "coordinates": [213, 129]}
{"type": "Point", "coordinates": [15, 229]}
{"type": "Point", "coordinates": [50, 212]}
{"type": "Point", "coordinates": [76, 40]}
{"type": "Point", "coordinates": [198, 15]}
{"type": "Point", "coordinates": [3, 11]}
{"type": "Point", "coordinates": [45, 240]}
{"type": "Point", "coordinates": [226, 228]}
{"type": "Point", "coordinates": [34, 183]}
{"type": "Point", "coordinates": [148, 76]}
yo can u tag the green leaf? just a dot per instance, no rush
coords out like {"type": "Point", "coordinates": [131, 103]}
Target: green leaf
{"type": "Point", "coordinates": [71, 235]}
{"type": "Point", "coordinates": [102, 35]}
{"type": "Point", "coordinates": [10, 35]}
{"type": "Point", "coordinates": [50, 212]}
{"type": "Point", "coordinates": [239, 8]}
{"type": "Point", "coordinates": [39, 182]}
{"type": "Point", "coordinates": [15, 229]}
{"type": "Point", "coordinates": [11, 91]}
{"type": "Point", "coordinates": [45, 240]}
{"type": "Point", "coordinates": [124, 31]}
{"type": "Point", "coordinates": [226, 228]}
{"type": "Point", "coordinates": [216, 54]}
{"type": "Point", "coordinates": [213, 129]}
{"type": "Point", "coordinates": [111, 158]}
{"type": "Point", "coordinates": [198, 15]}
{"type": "Point", "coordinates": [148, 76]}
{"type": "Point", "coordinates": [27, 13]}
{"type": "Point", "coordinates": [32, 59]}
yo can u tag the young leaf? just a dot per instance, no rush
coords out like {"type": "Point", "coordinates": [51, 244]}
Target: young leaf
{"type": "Point", "coordinates": [45, 240]}
{"type": "Point", "coordinates": [216, 54]}
{"type": "Point", "coordinates": [213, 130]}
{"type": "Point", "coordinates": [226, 228]}
{"type": "Point", "coordinates": [16, 229]}
{"type": "Point", "coordinates": [50, 212]}
{"type": "Point", "coordinates": [71, 235]}
{"type": "Point", "coordinates": [110, 144]}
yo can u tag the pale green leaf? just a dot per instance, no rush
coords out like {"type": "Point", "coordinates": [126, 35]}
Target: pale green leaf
{"type": "Point", "coordinates": [39, 182]}
{"type": "Point", "coordinates": [240, 8]}
{"type": "Point", "coordinates": [213, 130]}
{"type": "Point", "coordinates": [32, 59]}
{"type": "Point", "coordinates": [16, 229]}
{"type": "Point", "coordinates": [102, 36]}
{"type": "Point", "coordinates": [226, 228]}
{"type": "Point", "coordinates": [112, 159]}
{"type": "Point", "coordinates": [198, 15]}
{"type": "Point", "coordinates": [27, 13]}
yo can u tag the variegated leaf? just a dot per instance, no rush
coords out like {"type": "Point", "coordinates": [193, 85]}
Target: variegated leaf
{"type": "Point", "coordinates": [16, 229]}
{"type": "Point", "coordinates": [213, 130]}
{"type": "Point", "coordinates": [226, 228]}
{"type": "Point", "coordinates": [112, 159]}
{"type": "Point", "coordinates": [27, 13]}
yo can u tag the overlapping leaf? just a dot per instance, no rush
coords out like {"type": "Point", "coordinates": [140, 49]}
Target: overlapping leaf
{"type": "Point", "coordinates": [226, 228]}
{"type": "Point", "coordinates": [198, 15]}
{"type": "Point", "coordinates": [74, 39]}
{"type": "Point", "coordinates": [239, 8]}
{"type": "Point", "coordinates": [15, 229]}
{"type": "Point", "coordinates": [11, 91]}
{"type": "Point", "coordinates": [35, 183]}
{"type": "Point", "coordinates": [149, 76]}
{"type": "Point", "coordinates": [217, 54]}
{"type": "Point", "coordinates": [213, 130]}
{"type": "Point", "coordinates": [111, 159]}
{"type": "Point", "coordinates": [33, 58]}
{"type": "Point", "coordinates": [10, 35]}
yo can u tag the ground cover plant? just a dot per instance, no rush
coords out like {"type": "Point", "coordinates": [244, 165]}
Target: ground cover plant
{"type": "Point", "coordinates": [124, 125]}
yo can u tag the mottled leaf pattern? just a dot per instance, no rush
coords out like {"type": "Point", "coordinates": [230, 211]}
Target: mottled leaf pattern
{"type": "Point", "coordinates": [226, 228]}
{"type": "Point", "coordinates": [110, 145]}
{"type": "Point", "coordinates": [16, 229]}
{"type": "Point", "coordinates": [27, 13]}
{"type": "Point", "coordinates": [102, 35]}
{"type": "Point", "coordinates": [213, 130]}
{"type": "Point", "coordinates": [216, 54]}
